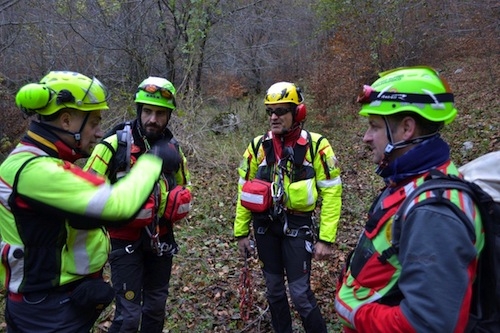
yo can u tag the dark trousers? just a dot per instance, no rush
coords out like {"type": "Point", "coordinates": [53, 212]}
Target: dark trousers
{"type": "Point", "coordinates": [141, 281]}
{"type": "Point", "coordinates": [47, 312]}
{"type": "Point", "coordinates": [289, 256]}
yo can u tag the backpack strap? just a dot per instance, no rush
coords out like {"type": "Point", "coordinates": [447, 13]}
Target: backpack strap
{"type": "Point", "coordinates": [256, 145]}
{"type": "Point", "coordinates": [18, 174]}
{"type": "Point", "coordinates": [314, 151]}
{"type": "Point", "coordinates": [120, 159]}
{"type": "Point", "coordinates": [437, 183]}
{"type": "Point", "coordinates": [299, 150]}
{"type": "Point", "coordinates": [124, 145]}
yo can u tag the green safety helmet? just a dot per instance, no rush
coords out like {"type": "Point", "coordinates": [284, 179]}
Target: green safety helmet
{"type": "Point", "coordinates": [283, 92]}
{"type": "Point", "coordinates": [62, 89]}
{"type": "Point", "coordinates": [417, 89]}
{"type": "Point", "coordinates": [156, 91]}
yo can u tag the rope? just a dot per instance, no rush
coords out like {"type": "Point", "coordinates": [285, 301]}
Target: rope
{"type": "Point", "coordinates": [245, 290]}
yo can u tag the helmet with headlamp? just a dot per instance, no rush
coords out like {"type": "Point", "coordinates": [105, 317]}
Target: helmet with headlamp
{"type": "Point", "coordinates": [417, 89]}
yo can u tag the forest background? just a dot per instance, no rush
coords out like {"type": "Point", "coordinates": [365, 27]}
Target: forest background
{"type": "Point", "coordinates": [222, 55]}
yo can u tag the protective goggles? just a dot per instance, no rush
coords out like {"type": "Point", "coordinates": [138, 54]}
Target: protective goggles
{"type": "Point", "coordinates": [151, 88]}
{"type": "Point", "coordinates": [368, 95]}
{"type": "Point", "coordinates": [278, 111]}
{"type": "Point", "coordinates": [90, 95]}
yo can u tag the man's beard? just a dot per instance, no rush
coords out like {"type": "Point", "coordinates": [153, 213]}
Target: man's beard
{"type": "Point", "coordinates": [153, 134]}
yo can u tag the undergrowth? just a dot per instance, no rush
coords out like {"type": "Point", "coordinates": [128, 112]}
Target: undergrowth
{"type": "Point", "coordinates": [204, 285]}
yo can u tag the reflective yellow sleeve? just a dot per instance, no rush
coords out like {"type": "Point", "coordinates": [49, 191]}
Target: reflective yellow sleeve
{"type": "Point", "coordinates": [246, 171]}
{"type": "Point", "coordinates": [330, 187]}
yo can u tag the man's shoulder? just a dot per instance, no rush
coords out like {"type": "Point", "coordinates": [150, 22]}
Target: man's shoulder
{"type": "Point", "coordinates": [316, 137]}
{"type": "Point", "coordinates": [438, 191]}
{"type": "Point", "coordinates": [116, 128]}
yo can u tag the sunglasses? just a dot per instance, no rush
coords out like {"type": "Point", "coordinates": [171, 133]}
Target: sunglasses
{"type": "Point", "coordinates": [278, 111]}
{"type": "Point", "coordinates": [151, 88]}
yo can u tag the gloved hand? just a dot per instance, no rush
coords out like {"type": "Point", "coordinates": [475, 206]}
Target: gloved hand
{"type": "Point", "coordinates": [246, 247]}
{"type": "Point", "coordinates": [167, 151]}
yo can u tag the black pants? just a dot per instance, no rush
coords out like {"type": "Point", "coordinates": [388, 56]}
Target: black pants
{"type": "Point", "coordinates": [141, 281]}
{"type": "Point", "coordinates": [289, 256]}
{"type": "Point", "coordinates": [47, 312]}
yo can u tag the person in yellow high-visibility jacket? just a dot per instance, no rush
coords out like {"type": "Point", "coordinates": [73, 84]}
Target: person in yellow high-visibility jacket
{"type": "Point", "coordinates": [142, 251]}
{"type": "Point", "coordinates": [282, 176]}
{"type": "Point", "coordinates": [53, 241]}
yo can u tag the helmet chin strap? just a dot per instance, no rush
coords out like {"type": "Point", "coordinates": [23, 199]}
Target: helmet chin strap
{"type": "Point", "coordinates": [76, 135]}
{"type": "Point", "coordinates": [391, 145]}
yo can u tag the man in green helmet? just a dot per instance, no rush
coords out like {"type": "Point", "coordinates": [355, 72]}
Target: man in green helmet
{"type": "Point", "coordinates": [414, 275]}
{"type": "Point", "coordinates": [52, 213]}
{"type": "Point", "coordinates": [142, 251]}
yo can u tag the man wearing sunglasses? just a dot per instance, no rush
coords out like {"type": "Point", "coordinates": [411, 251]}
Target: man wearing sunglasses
{"type": "Point", "coordinates": [282, 175]}
{"type": "Point", "coordinates": [54, 246]}
{"type": "Point", "coordinates": [414, 275]}
{"type": "Point", "coordinates": [142, 251]}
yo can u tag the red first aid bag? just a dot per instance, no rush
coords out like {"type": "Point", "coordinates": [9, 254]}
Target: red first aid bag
{"type": "Point", "coordinates": [256, 195]}
{"type": "Point", "coordinates": [178, 203]}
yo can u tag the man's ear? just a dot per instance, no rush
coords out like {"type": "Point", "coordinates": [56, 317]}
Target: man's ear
{"type": "Point", "coordinates": [410, 129]}
{"type": "Point", "coordinates": [65, 120]}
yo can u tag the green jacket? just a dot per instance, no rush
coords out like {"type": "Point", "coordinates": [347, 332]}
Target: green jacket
{"type": "Point", "coordinates": [52, 219]}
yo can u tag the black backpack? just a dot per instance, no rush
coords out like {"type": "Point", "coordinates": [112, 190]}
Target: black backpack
{"type": "Point", "coordinates": [482, 183]}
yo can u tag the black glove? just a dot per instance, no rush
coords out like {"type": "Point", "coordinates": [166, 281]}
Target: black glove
{"type": "Point", "coordinates": [167, 151]}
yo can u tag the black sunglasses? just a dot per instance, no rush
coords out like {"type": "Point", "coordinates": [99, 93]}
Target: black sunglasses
{"type": "Point", "coordinates": [278, 111]}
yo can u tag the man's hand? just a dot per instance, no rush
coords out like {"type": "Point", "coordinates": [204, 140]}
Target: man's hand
{"type": "Point", "coordinates": [246, 249]}
{"type": "Point", "coordinates": [167, 151]}
{"type": "Point", "coordinates": [322, 251]}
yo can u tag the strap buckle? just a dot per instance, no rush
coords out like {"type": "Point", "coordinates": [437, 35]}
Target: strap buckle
{"type": "Point", "coordinates": [129, 249]}
{"type": "Point", "coordinates": [292, 232]}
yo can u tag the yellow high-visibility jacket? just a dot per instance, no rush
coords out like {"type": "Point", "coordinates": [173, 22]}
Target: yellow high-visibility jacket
{"type": "Point", "coordinates": [303, 194]}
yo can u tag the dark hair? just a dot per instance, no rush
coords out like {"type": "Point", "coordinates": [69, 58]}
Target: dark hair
{"type": "Point", "coordinates": [424, 125]}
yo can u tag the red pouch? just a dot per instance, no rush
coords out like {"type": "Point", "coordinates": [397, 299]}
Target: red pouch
{"type": "Point", "coordinates": [256, 195]}
{"type": "Point", "coordinates": [178, 204]}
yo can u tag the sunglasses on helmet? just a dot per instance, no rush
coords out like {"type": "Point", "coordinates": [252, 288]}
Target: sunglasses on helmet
{"type": "Point", "coordinates": [278, 111]}
{"type": "Point", "coordinates": [368, 94]}
{"type": "Point", "coordinates": [151, 88]}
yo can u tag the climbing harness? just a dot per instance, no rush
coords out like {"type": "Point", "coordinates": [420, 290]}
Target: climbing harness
{"type": "Point", "coordinates": [278, 187]}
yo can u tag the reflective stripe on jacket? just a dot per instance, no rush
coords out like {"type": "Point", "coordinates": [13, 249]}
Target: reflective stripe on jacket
{"type": "Point", "coordinates": [371, 280]}
{"type": "Point", "coordinates": [100, 161]}
{"type": "Point", "coordinates": [52, 230]}
{"type": "Point", "coordinates": [301, 192]}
